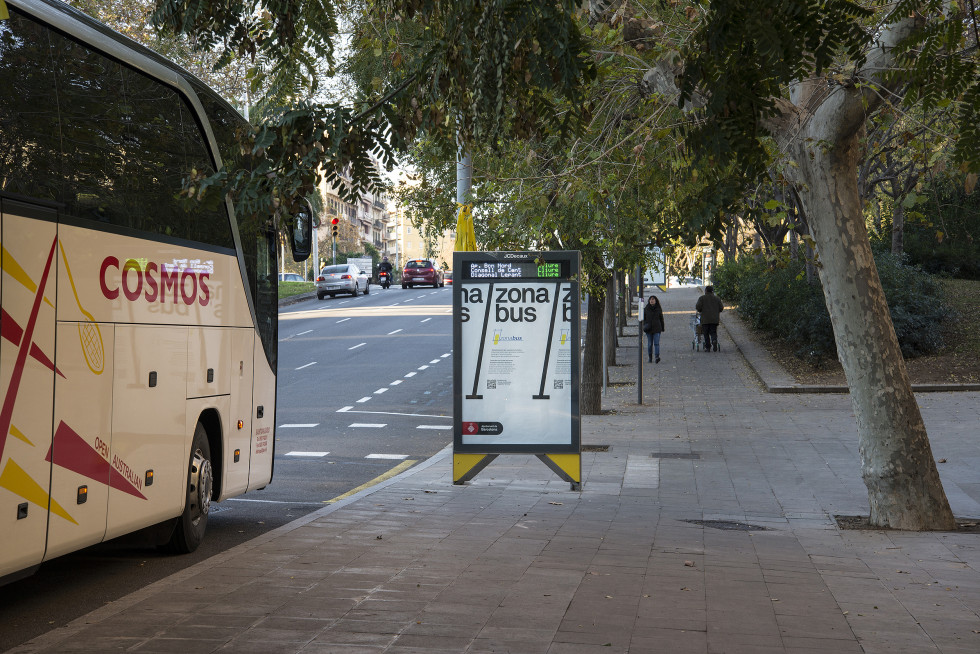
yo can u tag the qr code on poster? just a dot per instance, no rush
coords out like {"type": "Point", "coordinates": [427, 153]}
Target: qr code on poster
{"type": "Point", "coordinates": [559, 383]}
{"type": "Point", "coordinates": [491, 383]}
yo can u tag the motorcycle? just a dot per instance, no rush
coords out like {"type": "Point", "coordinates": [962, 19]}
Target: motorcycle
{"type": "Point", "coordinates": [385, 279]}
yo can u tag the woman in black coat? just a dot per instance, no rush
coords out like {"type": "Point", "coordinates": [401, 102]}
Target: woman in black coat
{"type": "Point", "coordinates": [653, 326]}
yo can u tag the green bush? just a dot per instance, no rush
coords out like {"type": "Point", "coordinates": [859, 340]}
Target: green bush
{"type": "Point", "coordinates": [775, 298]}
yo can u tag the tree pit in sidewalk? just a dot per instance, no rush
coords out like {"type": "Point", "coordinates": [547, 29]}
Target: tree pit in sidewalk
{"type": "Point", "coordinates": [861, 523]}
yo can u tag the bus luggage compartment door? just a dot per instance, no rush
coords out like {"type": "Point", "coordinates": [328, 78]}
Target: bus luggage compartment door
{"type": "Point", "coordinates": [29, 266]}
{"type": "Point", "coordinates": [149, 406]}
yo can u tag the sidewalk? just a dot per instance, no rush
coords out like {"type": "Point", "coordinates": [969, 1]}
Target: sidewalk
{"type": "Point", "coordinates": [705, 527]}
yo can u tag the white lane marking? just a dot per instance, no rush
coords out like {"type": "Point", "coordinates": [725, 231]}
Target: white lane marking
{"type": "Point", "coordinates": [308, 331]}
{"type": "Point", "coordinates": [312, 363]}
{"type": "Point", "coordinates": [435, 361]}
{"type": "Point", "coordinates": [342, 320]}
{"type": "Point", "coordinates": [450, 311]}
{"type": "Point", "coordinates": [396, 457]}
{"type": "Point", "coordinates": [345, 409]}
{"type": "Point", "coordinates": [242, 499]}
{"type": "Point", "coordinates": [380, 391]}
{"type": "Point", "coordinates": [364, 399]}
{"type": "Point", "coordinates": [369, 425]}
{"type": "Point", "coordinates": [357, 346]}
{"type": "Point", "coordinates": [447, 354]}
{"type": "Point", "coordinates": [427, 320]}
{"type": "Point", "coordinates": [408, 299]}
{"type": "Point", "coordinates": [393, 413]}
{"type": "Point", "coordinates": [396, 382]}
{"type": "Point", "coordinates": [422, 368]}
{"type": "Point", "coordinates": [410, 374]}
{"type": "Point", "coordinates": [300, 425]}
{"type": "Point", "coordinates": [394, 332]}
{"type": "Point", "coordinates": [434, 427]}
{"type": "Point", "coordinates": [317, 454]}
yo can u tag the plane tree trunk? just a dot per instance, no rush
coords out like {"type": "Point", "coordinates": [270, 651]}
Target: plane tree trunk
{"type": "Point", "coordinates": [897, 464]}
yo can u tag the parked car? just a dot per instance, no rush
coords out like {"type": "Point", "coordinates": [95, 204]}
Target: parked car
{"type": "Point", "coordinates": [421, 271]}
{"type": "Point", "coordinates": [447, 277]}
{"type": "Point", "coordinates": [290, 277]}
{"type": "Point", "coordinates": [342, 278]}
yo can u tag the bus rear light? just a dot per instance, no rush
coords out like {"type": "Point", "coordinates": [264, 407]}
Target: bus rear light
{"type": "Point", "coordinates": [238, 455]}
{"type": "Point", "coordinates": [241, 424]}
{"type": "Point", "coordinates": [82, 495]}
{"type": "Point", "coordinates": [149, 477]}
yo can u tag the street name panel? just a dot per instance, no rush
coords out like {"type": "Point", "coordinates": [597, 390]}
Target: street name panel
{"type": "Point", "coordinates": [516, 352]}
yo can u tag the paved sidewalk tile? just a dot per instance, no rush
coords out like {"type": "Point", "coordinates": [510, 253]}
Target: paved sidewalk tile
{"type": "Point", "coordinates": [707, 526]}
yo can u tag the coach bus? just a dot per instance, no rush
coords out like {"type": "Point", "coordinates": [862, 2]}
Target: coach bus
{"type": "Point", "coordinates": [138, 334]}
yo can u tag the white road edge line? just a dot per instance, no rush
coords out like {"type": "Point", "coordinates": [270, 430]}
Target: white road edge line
{"type": "Point", "coordinates": [394, 413]}
{"type": "Point", "coordinates": [312, 363]}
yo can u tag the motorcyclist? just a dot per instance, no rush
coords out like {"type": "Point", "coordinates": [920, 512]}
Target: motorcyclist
{"type": "Point", "coordinates": [385, 267]}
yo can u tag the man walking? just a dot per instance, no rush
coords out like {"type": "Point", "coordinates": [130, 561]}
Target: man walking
{"type": "Point", "coordinates": [710, 307]}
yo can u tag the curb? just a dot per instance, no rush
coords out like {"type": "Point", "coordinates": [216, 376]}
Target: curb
{"type": "Point", "coordinates": [296, 299]}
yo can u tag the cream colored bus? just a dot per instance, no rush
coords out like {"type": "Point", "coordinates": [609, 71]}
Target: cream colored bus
{"type": "Point", "coordinates": [138, 340]}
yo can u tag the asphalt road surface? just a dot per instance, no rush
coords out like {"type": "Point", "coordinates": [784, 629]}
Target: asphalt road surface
{"type": "Point", "coordinates": [364, 392]}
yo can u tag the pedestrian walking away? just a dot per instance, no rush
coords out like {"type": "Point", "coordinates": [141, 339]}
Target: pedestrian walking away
{"type": "Point", "coordinates": [653, 326]}
{"type": "Point", "coordinates": [710, 307]}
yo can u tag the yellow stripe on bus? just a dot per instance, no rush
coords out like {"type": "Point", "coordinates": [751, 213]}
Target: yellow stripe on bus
{"type": "Point", "coordinates": [404, 465]}
{"type": "Point", "coordinates": [18, 482]}
{"type": "Point", "coordinates": [16, 433]}
{"type": "Point", "coordinates": [10, 265]}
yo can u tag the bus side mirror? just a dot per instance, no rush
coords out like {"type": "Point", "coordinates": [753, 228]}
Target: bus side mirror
{"type": "Point", "coordinates": [302, 241]}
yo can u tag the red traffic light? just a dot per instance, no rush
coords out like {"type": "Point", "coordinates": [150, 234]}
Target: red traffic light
{"type": "Point", "coordinates": [334, 220]}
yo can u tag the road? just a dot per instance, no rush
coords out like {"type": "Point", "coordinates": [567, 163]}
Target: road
{"type": "Point", "coordinates": [364, 392]}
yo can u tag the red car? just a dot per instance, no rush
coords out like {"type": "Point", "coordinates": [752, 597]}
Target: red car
{"type": "Point", "coordinates": [421, 271]}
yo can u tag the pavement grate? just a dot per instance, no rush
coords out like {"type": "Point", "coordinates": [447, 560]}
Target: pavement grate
{"type": "Point", "coordinates": [595, 448]}
{"type": "Point", "coordinates": [677, 455]}
{"type": "Point", "coordinates": [728, 525]}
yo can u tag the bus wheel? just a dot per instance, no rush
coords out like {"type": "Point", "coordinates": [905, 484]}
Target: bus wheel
{"type": "Point", "coordinates": [200, 477]}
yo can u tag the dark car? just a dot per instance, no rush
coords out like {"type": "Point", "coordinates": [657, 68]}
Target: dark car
{"type": "Point", "coordinates": [421, 271]}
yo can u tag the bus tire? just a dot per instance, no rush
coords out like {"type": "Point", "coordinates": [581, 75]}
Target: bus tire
{"type": "Point", "coordinates": [193, 522]}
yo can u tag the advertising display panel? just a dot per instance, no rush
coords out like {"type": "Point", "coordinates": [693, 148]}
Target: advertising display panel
{"type": "Point", "coordinates": [516, 345]}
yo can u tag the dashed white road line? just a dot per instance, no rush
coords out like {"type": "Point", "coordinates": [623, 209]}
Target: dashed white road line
{"type": "Point", "coordinates": [427, 320]}
{"type": "Point", "coordinates": [410, 374]}
{"type": "Point", "coordinates": [364, 399]}
{"type": "Point", "coordinates": [342, 320]}
{"type": "Point", "coordinates": [300, 425]}
{"type": "Point", "coordinates": [380, 391]}
{"type": "Point", "coordinates": [447, 354]}
{"type": "Point", "coordinates": [435, 361]}
{"type": "Point", "coordinates": [394, 457]}
{"type": "Point", "coordinates": [312, 363]}
{"type": "Point", "coordinates": [357, 346]}
{"type": "Point", "coordinates": [313, 454]}
{"type": "Point", "coordinates": [434, 427]}
{"type": "Point", "coordinates": [422, 368]}
{"type": "Point", "coordinates": [308, 331]}
{"type": "Point", "coordinates": [396, 382]}
{"type": "Point", "coordinates": [369, 425]}
{"type": "Point", "coordinates": [394, 332]}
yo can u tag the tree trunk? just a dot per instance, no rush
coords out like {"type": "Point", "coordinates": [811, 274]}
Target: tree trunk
{"type": "Point", "coordinates": [590, 399]}
{"type": "Point", "coordinates": [898, 227]}
{"type": "Point", "coordinates": [623, 300]}
{"type": "Point", "coordinates": [609, 317]}
{"type": "Point", "coordinates": [904, 489]}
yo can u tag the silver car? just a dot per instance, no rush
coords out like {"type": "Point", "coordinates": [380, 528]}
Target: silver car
{"type": "Point", "coordinates": [342, 278]}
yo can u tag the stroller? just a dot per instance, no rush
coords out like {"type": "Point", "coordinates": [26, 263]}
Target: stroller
{"type": "Point", "coordinates": [698, 340]}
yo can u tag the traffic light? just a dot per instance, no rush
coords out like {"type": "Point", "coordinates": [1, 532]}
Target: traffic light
{"type": "Point", "coordinates": [334, 226]}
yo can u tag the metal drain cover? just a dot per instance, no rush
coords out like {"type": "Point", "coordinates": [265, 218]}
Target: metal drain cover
{"type": "Point", "coordinates": [595, 448]}
{"type": "Point", "coordinates": [728, 525]}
